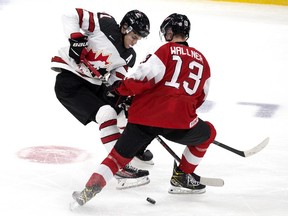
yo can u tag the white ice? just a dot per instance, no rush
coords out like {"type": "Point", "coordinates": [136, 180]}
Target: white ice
{"type": "Point", "coordinates": [247, 47]}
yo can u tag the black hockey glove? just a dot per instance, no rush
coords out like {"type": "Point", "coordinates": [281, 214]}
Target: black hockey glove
{"type": "Point", "coordinates": [125, 105]}
{"type": "Point", "coordinates": [113, 96]}
{"type": "Point", "coordinates": [112, 90]}
{"type": "Point", "coordinates": [78, 46]}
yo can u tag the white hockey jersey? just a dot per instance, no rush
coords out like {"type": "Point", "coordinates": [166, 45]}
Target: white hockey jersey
{"type": "Point", "coordinates": [105, 46]}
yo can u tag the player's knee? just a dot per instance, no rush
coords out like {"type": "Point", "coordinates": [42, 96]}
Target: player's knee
{"type": "Point", "coordinates": [105, 113]}
{"type": "Point", "coordinates": [121, 120]}
{"type": "Point", "coordinates": [208, 138]}
{"type": "Point", "coordinates": [213, 132]}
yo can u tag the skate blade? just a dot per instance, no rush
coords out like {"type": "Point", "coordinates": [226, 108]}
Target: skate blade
{"type": "Point", "coordinates": [182, 190]}
{"type": "Point", "coordinates": [124, 183]}
{"type": "Point", "coordinates": [76, 194]}
{"type": "Point", "coordinates": [76, 197]}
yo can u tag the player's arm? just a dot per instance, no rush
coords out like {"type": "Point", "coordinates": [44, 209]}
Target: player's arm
{"type": "Point", "coordinates": [117, 74]}
{"type": "Point", "coordinates": [79, 20]}
{"type": "Point", "coordinates": [206, 79]}
{"type": "Point", "coordinates": [148, 73]}
{"type": "Point", "coordinates": [78, 24]}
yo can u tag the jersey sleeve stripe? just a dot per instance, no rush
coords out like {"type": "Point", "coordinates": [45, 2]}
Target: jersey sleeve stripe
{"type": "Point", "coordinates": [80, 14]}
{"type": "Point", "coordinates": [91, 22]}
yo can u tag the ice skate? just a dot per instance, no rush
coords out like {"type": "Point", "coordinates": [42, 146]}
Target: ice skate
{"type": "Point", "coordinates": [144, 157]}
{"type": "Point", "coordinates": [87, 194]}
{"type": "Point", "coordinates": [182, 183]}
{"type": "Point", "coordinates": [130, 176]}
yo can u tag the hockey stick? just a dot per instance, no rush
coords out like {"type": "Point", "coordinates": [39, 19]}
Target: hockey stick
{"type": "Point", "coordinates": [94, 72]}
{"type": "Point", "coordinates": [246, 153]}
{"type": "Point", "coordinates": [161, 141]}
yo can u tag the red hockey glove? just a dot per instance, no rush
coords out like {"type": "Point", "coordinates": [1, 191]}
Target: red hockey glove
{"type": "Point", "coordinates": [78, 46]}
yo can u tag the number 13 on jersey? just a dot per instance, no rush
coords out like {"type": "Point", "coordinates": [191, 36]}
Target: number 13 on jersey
{"type": "Point", "coordinates": [192, 82]}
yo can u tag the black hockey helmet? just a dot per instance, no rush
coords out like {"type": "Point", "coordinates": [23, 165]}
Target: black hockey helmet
{"type": "Point", "coordinates": [136, 21]}
{"type": "Point", "coordinates": [179, 24]}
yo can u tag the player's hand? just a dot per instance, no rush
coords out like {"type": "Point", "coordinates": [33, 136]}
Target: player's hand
{"type": "Point", "coordinates": [125, 105]}
{"type": "Point", "coordinates": [113, 95]}
{"type": "Point", "coordinates": [78, 46]}
{"type": "Point", "coordinates": [112, 90]}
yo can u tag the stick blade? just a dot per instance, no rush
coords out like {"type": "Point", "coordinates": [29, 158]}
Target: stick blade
{"type": "Point", "coordinates": [216, 182]}
{"type": "Point", "coordinates": [257, 148]}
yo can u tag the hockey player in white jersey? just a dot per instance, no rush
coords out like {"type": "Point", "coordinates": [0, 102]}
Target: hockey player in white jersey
{"type": "Point", "coordinates": [97, 38]}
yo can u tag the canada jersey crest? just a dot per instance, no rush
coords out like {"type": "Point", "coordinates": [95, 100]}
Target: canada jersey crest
{"type": "Point", "coordinates": [99, 59]}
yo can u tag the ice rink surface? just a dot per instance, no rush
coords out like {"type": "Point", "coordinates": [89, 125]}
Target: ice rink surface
{"type": "Point", "coordinates": [247, 48]}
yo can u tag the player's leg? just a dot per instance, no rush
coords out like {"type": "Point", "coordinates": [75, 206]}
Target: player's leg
{"type": "Point", "coordinates": [129, 176]}
{"type": "Point", "coordinates": [135, 141]}
{"type": "Point", "coordinates": [126, 147]}
{"type": "Point", "coordinates": [106, 117]}
{"type": "Point", "coordinates": [77, 96]}
{"type": "Point", "coordinates": [144, 156]}
{"type": "Point", "coordinates": [84, 101]}
{"type": "Point", "coordinates": [103, 174]}
{"type": "Point", "coordinates": [80, 98]}
{"type": "Point", "coordinates": [197, 140]}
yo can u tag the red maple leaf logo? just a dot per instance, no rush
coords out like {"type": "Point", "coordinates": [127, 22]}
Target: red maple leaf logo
{"type": "Point", "coordinates": [98, 58]}
{"type": "Point", "coordinates": [103, 58]}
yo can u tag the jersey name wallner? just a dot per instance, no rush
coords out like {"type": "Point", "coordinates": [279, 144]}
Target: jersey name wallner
{"type": "Point", "coordinates": [185, 51]}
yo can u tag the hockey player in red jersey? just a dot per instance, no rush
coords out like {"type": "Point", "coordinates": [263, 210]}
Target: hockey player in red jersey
{"type": "Point", "coordinates": [168, 87]}
{"type": "Point", "coordinates": [97, 38]}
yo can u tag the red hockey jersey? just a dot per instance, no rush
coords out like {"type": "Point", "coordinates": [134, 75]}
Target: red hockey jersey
{"type": "Point", "coordinates": [168, 87]}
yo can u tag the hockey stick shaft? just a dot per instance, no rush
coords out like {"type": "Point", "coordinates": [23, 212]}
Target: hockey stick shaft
{"type": "Point", "coordinates": [94, 71]}
{"type": "Point", "coordinates": [246, 153]}
{"type": "Point", "coordinates": [168, 148]}
{"type": "Point", "coordinates": [238, 152]}
{"type": "Point", "coordinates": [241, 153]}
